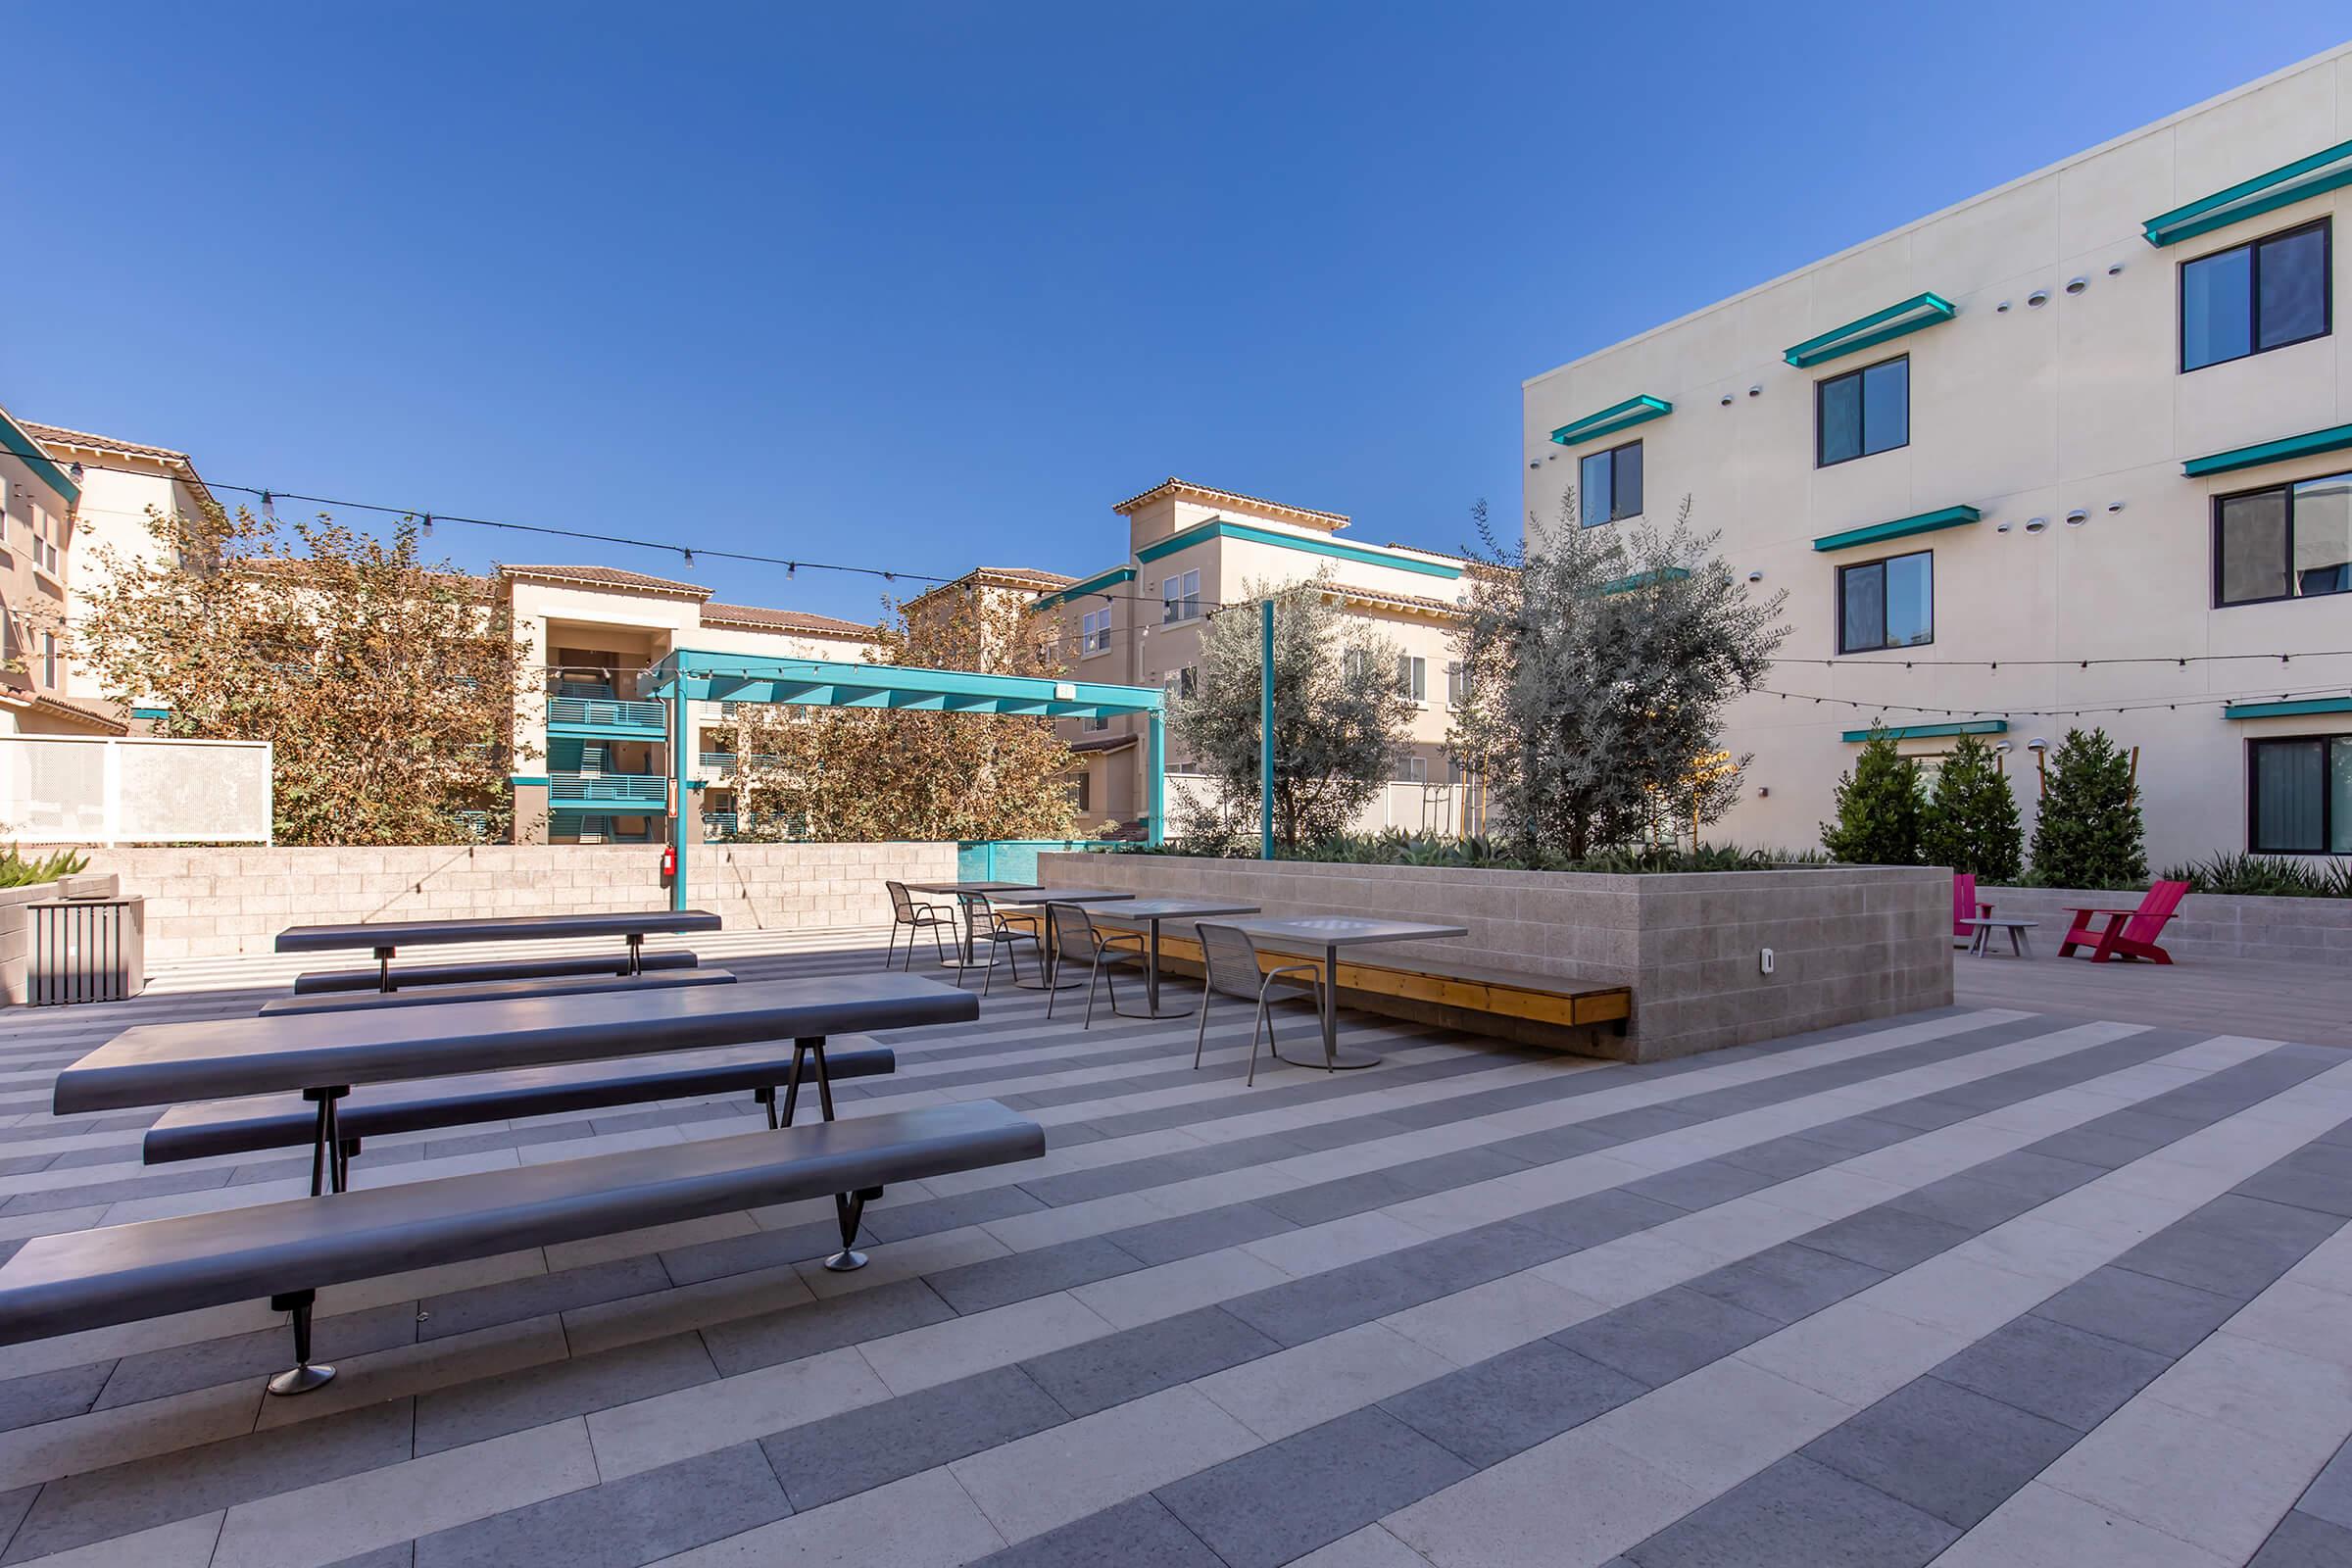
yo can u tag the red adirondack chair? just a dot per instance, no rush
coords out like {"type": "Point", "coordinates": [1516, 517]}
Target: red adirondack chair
{"type": "Point", "coordinates": [1966, 907]}
{"type": "Point", "coordinates": [2126, 933]}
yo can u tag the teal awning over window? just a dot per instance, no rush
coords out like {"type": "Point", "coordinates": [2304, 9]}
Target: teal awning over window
{"type": "Point", "coordinates": [2294, 709]}
{"type": "Point", "coordinates": [2336, 438]}
{"type": "Point", "coordinates": [1921, 732]}
{"type": "Point", "coordinates": [1100, 582]}
{"type": "Point", "coordinates": [1899, 528]}
{"type": "Point", "coordinates": [1611, 420]}
{"type": "Point", "coordinates": [1920, 310]}
{"type": "Point", "coordinates": [1645, 579]}
{"type": "Point", "coordinates": [2323, 170]}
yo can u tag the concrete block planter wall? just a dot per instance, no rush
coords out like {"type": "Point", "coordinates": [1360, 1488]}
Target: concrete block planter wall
{"type": "Point", "coordinates": [213, 903]}
{"type": "Point", "coordinates": [2208, 925]}
{"type": "Point", "coordinates": [1849, 942]}
{"type": "Point", "coordinates": [16, 937]}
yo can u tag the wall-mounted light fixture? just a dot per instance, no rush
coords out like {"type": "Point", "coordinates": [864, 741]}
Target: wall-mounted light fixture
{"type": "Point", "coordinates": [2076, 285]}
{"type": "Point", "coordinates": [2115, 268]}
{"type": "Point", "coordinates": [2114, 506]}
{"type": "Point", "coordinates": [2002, 307]}
{"type": "Point", "coordinates": [2077, 517]}
{"type": "Point", "coordinates": [2037, 524]}
{"type": "Point", "coordinates": [1727, 400]}
{"type": "Point", "coordinates": [2001, 526]}
{"type": "Point", "coordinates": [1757, 391]}
{"type": "Point", "coordinates": [1535, 462]}
{"type": "Point", "coordinates": [2038, 298]}
{"type": "Point", "coordinates": [1755, 576]}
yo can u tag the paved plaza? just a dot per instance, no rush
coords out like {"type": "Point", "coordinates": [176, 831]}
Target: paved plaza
{"type": "Point", "coordinates": [1987, 1287]}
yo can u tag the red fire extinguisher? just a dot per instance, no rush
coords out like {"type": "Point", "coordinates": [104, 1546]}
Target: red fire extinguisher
{"type": "Point", "coordinates": [670, 862]}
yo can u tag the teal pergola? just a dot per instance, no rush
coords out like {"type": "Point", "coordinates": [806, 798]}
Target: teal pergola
{"type": "Point", "coordinates": [691, 676]}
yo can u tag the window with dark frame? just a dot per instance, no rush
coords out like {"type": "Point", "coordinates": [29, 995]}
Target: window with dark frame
{"type": "Point", "coordinates": [1862, 413]}
{"type": "Point", "coordinates": [1608, 485]}
{"type": "Point", "coordinates": [2289, 541]}
{"type": "Point", "coordinates": [2265, 294]}
{"type": "Point", "coordinates": [2299, 795]}
{"type": "Point", "coordinates": [1886, 604]}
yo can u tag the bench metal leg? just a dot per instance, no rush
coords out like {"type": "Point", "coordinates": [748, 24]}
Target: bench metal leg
{"type": "Point", "coordinates": [805, 1049]}
{"type": "Point", "coordinates": [330, 1156]}
{"type": "Point", "coordinates": [383, 968]}
{"type": "Point", "coordinates": [636, 953]}
{"type": "Point", "coordinates": [849, 1209]}
{"type": "Point", "coordinates": [301, 1377]}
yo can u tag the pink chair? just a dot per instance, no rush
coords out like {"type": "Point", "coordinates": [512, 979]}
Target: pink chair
{"type": "Point", "coordinates": [1965, 906]}
{"type": "Point", "coordinates": [2128, 933]}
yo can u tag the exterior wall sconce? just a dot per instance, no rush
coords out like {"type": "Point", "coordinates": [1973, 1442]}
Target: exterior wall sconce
{"type": "Point", "coordinates": [2037, 524]}
{"type": "Point", "coordinates": [1727, 400]}
{"type": "Point", "coordinates": [1755, 391]}
{"type": "Point", "coordinates": [2114, 506]}
{"type": "Point", "coordinates": [2002, 307]}
{"type": "Point", "coordinates": [2038, 298]}
{"type": "Point", "coordinates": [2115, 269]}
{"type": "Point", "coordinates": [2076, 285]}
{"type": "Point", "coordinates": [1755, 576]}
{"type": "Point", "coordinates": [2000, 527]}
{"type": "Point", "coordinates": [2077, 517]}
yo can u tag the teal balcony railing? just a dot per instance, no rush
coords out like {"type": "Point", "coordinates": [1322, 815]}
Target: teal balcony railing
{"type": "Point", "coordinates": [714, 762]}
{"type": "Point", "coordinates": [606, 715]}
{"type": "Point", "coordinates": [608, 789]}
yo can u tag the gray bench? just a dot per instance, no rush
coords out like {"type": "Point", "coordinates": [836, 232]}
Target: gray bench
{"type": "Point", "coordinates": [459, 974]}
{"type": "Point", "coordinates": [570, 985]}
{"type": "Point", "coordinates": [289, 1250]}
{"type": "Point", "coordinates": [261, 1122]}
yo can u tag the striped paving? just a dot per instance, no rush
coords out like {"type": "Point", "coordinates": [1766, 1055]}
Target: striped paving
{"type": "Point", "coordinates": [1977, 1286]}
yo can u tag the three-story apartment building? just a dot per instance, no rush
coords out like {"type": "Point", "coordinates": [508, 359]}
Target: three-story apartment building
{"type": "Point", "coordinates": [2077, 451]}
{"type": "Point", "coordinates": [1192, 549]}
{"type": "Point", "coordinates": [39, 497]}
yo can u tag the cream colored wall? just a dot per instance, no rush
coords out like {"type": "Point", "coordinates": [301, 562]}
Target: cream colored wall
{"type": "Point", "coordinates": [112, 524]}
{"type": "Point", "coordinates": [2024, 412]}
{"type": "Point", "coordinates": [36, 599]}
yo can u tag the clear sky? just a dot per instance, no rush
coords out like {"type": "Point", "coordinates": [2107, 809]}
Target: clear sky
{"type": "Point", "coordinates": [923, 288]}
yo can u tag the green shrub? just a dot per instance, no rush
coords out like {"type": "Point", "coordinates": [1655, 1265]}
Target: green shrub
{"type": "Point", "coordinates": [2089, 833]}
{"type": "Point", "coordinates": [2264, 876]}
{"type": "Point", "coordinates": [1878, 808]}
{"type": "Point", "coordinates": [16, 872]}
{"type": "Point", "coordinates": [1971, 822]}
{"type": "Point", "coordinates": [1475, 852]}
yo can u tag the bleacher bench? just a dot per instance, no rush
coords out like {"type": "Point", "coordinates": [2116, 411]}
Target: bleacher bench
{"type": "Point", "coordinates": [1507, 1003]}
{"type": "Point", "coordinates": [569, 985]}
{"type": "Point", "coordinates": [289, 1250]}
{"type": "Point", "coordinates": [459, 974]}
{"type": "Point", "coordinates": [419, 1105]}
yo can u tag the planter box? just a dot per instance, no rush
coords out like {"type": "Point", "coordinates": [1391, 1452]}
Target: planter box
{"type": "Point", "coordinates": [1849, 943]}
{"type": "Point", "coordinates": [2208, 925]}
{"type": "Point", "coordinates": [16, 938]}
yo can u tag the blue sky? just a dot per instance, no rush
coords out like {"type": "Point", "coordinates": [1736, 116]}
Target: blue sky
{"type": "Point", "coordinates": [922, 287]}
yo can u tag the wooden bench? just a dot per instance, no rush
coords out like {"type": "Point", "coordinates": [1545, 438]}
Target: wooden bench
{"type": "Point", "coordinates": [288, 1250]}
{"type": "Point", "coordinates": [494, 969]}
{"type": "Point", "coordinates": [570, 985]}
{"type": "Point", "coordinates": [1507, 1003]}
{"type": "Point", "coordinates": [259, 1122]}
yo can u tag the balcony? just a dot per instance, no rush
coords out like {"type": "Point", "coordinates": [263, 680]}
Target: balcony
{"type": "Point", "coordinates": [649, 792]}
{"type": "Point", "coordinates": [607, 718]}
{"type": "Point", "coordinates": [717, 763]}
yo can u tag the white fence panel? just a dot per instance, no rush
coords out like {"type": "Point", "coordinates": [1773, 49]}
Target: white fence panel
{"type": "Point", "coordinates": [74, 789]}
{"type": "Point", "coordinates": [1441, 808]}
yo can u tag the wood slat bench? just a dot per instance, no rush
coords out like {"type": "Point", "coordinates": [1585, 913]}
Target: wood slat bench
{"type": "Point", "coordinates": [288, 1250]}
{"type": "Point", "coordinates": [459, 974]}
{"type": "Point", "coordinates": [492, 990]}
{"type": "Point", "coordinates": [259, 1122]}
{"type": "Point", "coordinates": [1509, 1003]}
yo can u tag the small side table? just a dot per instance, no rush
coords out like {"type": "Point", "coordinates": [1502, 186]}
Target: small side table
{"type": "Point", "coordinates": [1981, 942]}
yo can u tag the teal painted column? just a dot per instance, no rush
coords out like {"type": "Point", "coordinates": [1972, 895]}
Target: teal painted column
{"type": "Point", "coordinates": [1159, 775]}
{"type": "Point", "coordinates": [1265, 731]}
{"type": "Point", "coordinates": [682, 800]}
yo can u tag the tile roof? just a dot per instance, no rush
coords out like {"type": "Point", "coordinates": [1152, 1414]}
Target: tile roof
{"type": "Point", "coordinates": [1382, 596]}
{"type": "Point", "coordinates": [1032, 574]}
{"type": "Point", "coordinates": [1103, 742]}
{"type": "Point", "coordinates": [764, 619]}
{"type": "Point", "coordinates": [1215, 496]}
{"type": "Point", "coordinates": [59, 435]}
{"type": "Point", "coordinates": [74, 707]}
{"type": "Point", "coordinates": [607, 577]}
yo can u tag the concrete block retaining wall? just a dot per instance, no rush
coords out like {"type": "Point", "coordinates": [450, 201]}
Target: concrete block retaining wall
{"type": "Point", "coordinates": [207, 903]}
{"type": "Point", "coordinates": [1849, 943]}
{"type": "Point", "coordinates": [2209, 925]}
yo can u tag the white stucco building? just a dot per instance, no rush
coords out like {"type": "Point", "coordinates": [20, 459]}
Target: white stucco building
{"type": "Point", "coordinates": [2093, 428]}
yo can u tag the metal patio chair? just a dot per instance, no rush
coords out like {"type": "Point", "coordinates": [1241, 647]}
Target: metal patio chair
{"type": "Point", "coordinates": [1075, 938]}
{"type": "Point", "coordinates": [986, 924]}
{"type": "Point", "coordinates": [1230, 964]}
{"type": "Point", "coordinates": [913, 915]}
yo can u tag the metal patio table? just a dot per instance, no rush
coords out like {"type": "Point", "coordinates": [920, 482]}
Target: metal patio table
{"type": "Point", "coordinates": [322, 1054]}
{"type": "Point", "coordinates": [1052, 980]}
{"type": "Point", "coordinates": [954, 890]}
{"type": "Point", "coordinates": [1150, 913]}
{"type": "Point", "coordinates": [1329, 932]}
{"type": "Point", "coordinates": [387, 937]}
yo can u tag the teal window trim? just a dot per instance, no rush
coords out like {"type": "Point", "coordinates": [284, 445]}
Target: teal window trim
{"type": "Point", "coordinates": [1868, 332]}
{"type": "Point", "coordinates": [2328, 169]}
{"type": "Point", "coordinates": [1080, 590]}
{"type": "Point", "coordinates": [1644, 579]}
{"type": "Point", "coordinates": [2293, 709]}
{"type": "Point", "coordinates": [1639, 410]}
{"type": "Point", "coordinates": [1921, 732]}
{"type": "Point", "coordinates": [1899, 528]}
{"type": "Point", "coordinates": [2335, 438]}
{"type": "Point", "coordinates": [1219, 528]}
{"type": "Point", "coordinates": [19, 444]}
{"type": "Point", "coordinates": [527, 780]}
